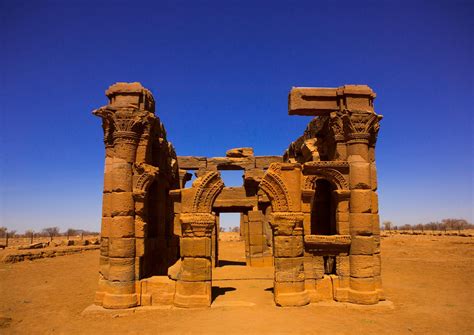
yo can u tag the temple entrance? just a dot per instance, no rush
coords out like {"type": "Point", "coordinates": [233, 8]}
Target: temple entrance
{"type": "Point", "coordinates": [235, 282]}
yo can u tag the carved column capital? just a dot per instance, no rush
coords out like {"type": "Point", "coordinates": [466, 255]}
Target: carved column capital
{"type": "Point", "coordinates": [360, 125]}
{"type": "Point", "coordinates": [287, 223]}
{"type": "Point", "coordinates": [197, 224]}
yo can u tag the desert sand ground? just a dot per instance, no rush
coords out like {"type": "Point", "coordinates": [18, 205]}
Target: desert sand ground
{"type": "Point", "coordinates": [428, 279]}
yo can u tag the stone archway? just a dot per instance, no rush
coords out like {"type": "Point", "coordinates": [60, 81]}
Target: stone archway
{"type": "Point", "coordinates": [194, 285]}
{"type": "Point", "coordinates": [281, 183]}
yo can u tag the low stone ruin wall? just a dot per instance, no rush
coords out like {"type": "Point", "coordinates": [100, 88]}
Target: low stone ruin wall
{"type": "Point", "coordinates": [30, 255]}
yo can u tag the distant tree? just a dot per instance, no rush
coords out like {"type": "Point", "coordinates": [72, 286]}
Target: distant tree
{"type": "Point", "coordinates": [221, 229]}
{"type": "Point", "coordinates": [459, 224]}
{"type": "Point", "coordinates": [71, 232]}
{"type": "Point", "coordinates": [432, 226]}
{"type": "Point", "coordinates": [420, 226]}
{"type": "Point", "coordinates": [387, 225]}
{"type": "Point", "coordinates": [51, 232]}
{"type": "Point", "coordinates": [235, 229]}
{"type": "Point", "coordinates": [30, 233]}
{"type": "Point", "coordinates": [3, 231]}
{"type": "Point", "coordinates": [12, 233]}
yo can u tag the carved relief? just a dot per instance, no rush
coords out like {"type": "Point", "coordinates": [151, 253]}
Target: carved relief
{"type": "Point", "coordinates": [331, 175]}
{"type": "Point", "coordinates": [276, 190]}
{"type": "Point", "coordinates": [210, 186]}
{"type": "Point", "coordinates": [360, 124]}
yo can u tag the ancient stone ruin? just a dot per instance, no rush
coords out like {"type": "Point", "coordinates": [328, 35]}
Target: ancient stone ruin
{"type": "Point", "coordinates": [311, 213]}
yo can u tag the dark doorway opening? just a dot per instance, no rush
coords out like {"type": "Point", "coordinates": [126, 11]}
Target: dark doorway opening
{"type": "Point", "coordinates": [323, 211]}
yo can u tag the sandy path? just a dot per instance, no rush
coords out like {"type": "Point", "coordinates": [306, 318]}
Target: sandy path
{"type": "Point", "coordinates": [429, 280]}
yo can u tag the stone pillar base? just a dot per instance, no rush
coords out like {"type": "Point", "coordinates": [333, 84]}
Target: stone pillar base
{"type": "Point", "coordinates": [363, 298]}
{"type": "Point", "coordinates": [193, 294]}
{"type": "Point", "coordinates": [292, 299]}
{"type": "Point", "coordinates": [119, 301]}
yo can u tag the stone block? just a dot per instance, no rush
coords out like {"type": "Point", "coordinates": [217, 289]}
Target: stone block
{"type": "Point", "coordinates": [314, 267]}
{"type": "Point", "coordinates": [362, 266]}
{"type": "Point", "coordinates": [239, 152]}
{"type": "Point", "coordinates": [255, 216]}
{"type": "Point", "coordinates": [359, 175]}
{"type": "Point", "coordinates": [375, 203]}
{"type": "Point", "coordinates": [362, 245]}
{"type": "Point", "coordinates": [255, 240]}
{"type": "Point", "coordinates": [104, 246]}
{"type": "Point", "coordinates": [105, 226]}
{"type": "Point", "coordinates": [362, 284]}
{"type": "Point", "coordinates": [234, 198]}
{"type": "Point", "coordinates": [160, 288]}
{"type": "Point", "coordinates": [343, 227]}
{"type": "Point", "coordinates": [122, 226]}
{"type": "Point", "coordinates": [192, 162]}
{"type": "Point", "coordinates": [195, 269]}
{"type": "Point", "coordinates": [122, 247]}
{"type": "Point", "coordinates": [104, 266]}
{"type": "Point", "coordinates": [361, 224]}
{"type": "Point", "coordinates": [122, 176]}
{"type": "Point", "coordinates": [140, 227]}
{"type": "Point", "coordinates": [377, 265]}
{"type": "Point", "coordinates": [192, 294]}
{"type": "Point", "coordinates": [324, 289]}
{"type": "Point", "coordinates": [288, 246]}
{"type": "Point", "coordinates": [342, 216]}
{"type": "Point", "coordinates": [363, 298]}
{"type": "Point", "coordinates": [107, 204]}
{"type": "Point", "coordinates": [289, 269]}
{"type": "Point", "coordinates": [256, 249]}
{"type": "Point", "coordinates": [122, 204]}
{"type": "Point", "coordinates": [255, 228]}
{"type": "Point", "coordinates": [263, 162]}
{"type": "Point", "coordinates": [122, 269]}
{"type": "Point", "coordinates": [139, 247]}
{"type": "Point", "coordinates": [373, 176]}
{"type": "Point", "coordinates": [361, 201]}
{"type": "Point", "coordinates": [343, 267]}
{"type": "Point", "coordinates": [288, 287]}
{"type": "Point", "coordinates": [375, 224]}
{"type": "Point", "coordinates": [195, 247]}
{"type": "Point", "coordinates": [343, 206]}
{"type": "Point", "coordinates": [119, 301]}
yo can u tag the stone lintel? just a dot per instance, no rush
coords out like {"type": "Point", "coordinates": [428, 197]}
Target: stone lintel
{"type": "Point", "coordinates": [192, 162]}
{"type": "Point", "coordinates": [316, 101]}
{"type": "Point", "coordinates": [231, 163]}
{"type": "Point", "coordinates": [239, 152]}
{"type": "Point", "coordinates": [263, 162]}
{"type": "Point", "coordinates": [232, 197]}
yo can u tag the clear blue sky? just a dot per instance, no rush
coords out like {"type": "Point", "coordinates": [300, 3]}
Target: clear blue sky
{"type": "Point", "coordinates": [220, 72]}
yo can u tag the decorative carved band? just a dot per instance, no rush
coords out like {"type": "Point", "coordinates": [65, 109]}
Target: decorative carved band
{"type": "Point", "coordinates": [327, 240]}
{"type": "Point", "coordinates": [211, 185]}
{"type": "Point", "coordinates": [331, 175]}
{"type": "Point", "coordinates": [277, 191]}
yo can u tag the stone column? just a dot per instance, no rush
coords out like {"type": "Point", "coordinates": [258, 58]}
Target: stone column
{"type": "Point", "coordinates": [121, 293]}
{"type": "Point", "coordinates": [288, 250]}
{"type": "Point", "coordinates": [363, 223]}
{"type": "Point", "coordinates": [123, 120]}
{"type": "Point", "coordinates": [193, 288]}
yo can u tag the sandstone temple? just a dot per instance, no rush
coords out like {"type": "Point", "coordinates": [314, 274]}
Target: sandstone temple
{"type": "Point", "coordinates": [311, 214]}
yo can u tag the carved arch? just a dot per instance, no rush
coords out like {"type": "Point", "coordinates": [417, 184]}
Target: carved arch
{"type": "Point", "coordinates": [277, 191]}
{"type": "Point", "coordinates": [333, 176]}
{"type": "Point", "coordinates": [208, 190]}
